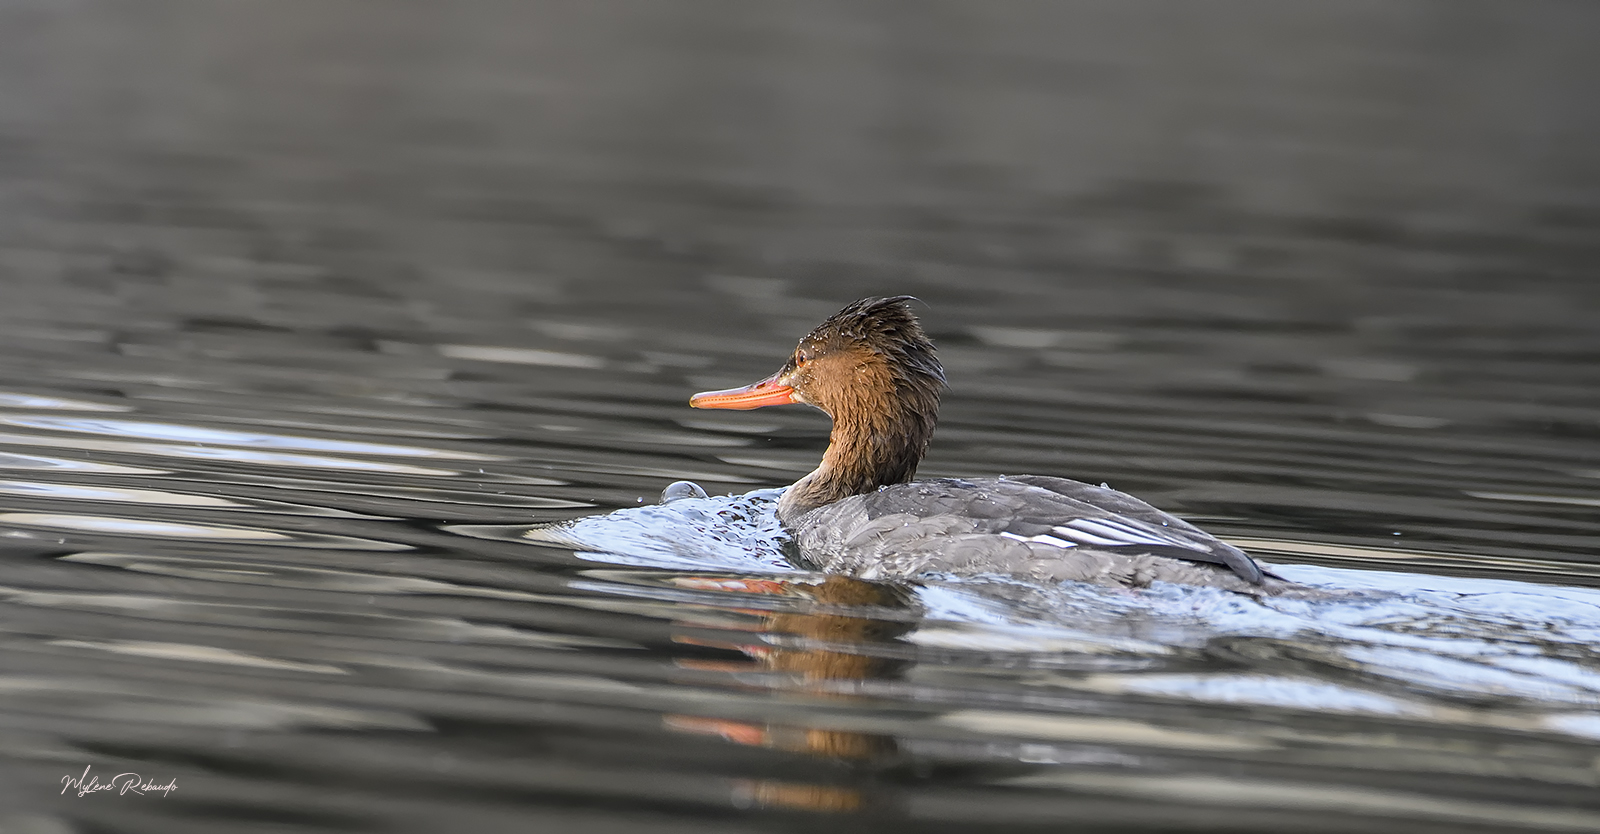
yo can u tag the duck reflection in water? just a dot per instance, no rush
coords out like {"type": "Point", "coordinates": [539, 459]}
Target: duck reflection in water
{"type": "Point", "coordinates": [847, 636]}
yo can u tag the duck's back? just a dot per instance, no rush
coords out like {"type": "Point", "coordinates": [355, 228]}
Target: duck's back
{"type": "Point", "coordinates": [1030, 526]}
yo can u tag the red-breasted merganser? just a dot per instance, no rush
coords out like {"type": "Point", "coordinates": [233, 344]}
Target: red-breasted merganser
{"type": "Point", "coordinates": [872, 369]}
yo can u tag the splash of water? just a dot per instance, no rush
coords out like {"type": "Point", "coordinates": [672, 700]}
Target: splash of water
{"type": "Point", "coordinates": [1483, 651]}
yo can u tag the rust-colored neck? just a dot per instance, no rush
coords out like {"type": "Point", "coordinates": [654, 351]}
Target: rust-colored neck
{"type": "Point", "coordinates": [873, 444]}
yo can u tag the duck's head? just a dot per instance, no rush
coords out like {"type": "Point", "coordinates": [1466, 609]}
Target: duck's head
{"type": "Point", "coordinates": [873, 370]}
{"type": "Point", "coordinates": [872, 356]}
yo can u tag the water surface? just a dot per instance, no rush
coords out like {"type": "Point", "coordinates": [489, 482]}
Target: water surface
{"type": "Point", "coordinates": [314, 318]}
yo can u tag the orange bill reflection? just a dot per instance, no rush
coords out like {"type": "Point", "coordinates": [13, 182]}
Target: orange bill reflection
{"type": "Point", "coordinates": [832, 642]}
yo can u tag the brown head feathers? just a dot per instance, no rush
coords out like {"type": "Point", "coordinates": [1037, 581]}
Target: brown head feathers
{"type": "Point", "coordinates": [873, 370]}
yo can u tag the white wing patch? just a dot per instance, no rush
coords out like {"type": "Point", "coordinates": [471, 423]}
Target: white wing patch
{"type": "Point", "coordinates": [1044, 539]}
{"type": "Point", "coordinates": [1041, 539]}
{"type": "Point", "coordinates": [1106, 532]}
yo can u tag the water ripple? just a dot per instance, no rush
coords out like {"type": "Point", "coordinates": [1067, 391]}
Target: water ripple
{"type": "Point", "coordinates": [130, 495]}
{"type": "Point", "coordinates": [220, 453]}
{"type": "Point", "coordinates": [220, 437]}
{"type": "Point", "coordinates": [191, 531]}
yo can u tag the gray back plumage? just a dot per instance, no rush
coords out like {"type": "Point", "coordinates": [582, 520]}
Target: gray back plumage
{"type": "Point", "coordinates": [1029, 526]}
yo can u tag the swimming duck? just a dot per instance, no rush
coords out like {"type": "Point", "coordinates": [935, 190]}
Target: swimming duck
{"type": "Point", "coordinates": [873, 370]}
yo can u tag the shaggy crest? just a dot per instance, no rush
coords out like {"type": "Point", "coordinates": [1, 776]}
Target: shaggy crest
{"type": "Point", "coordinates": [885, 326]}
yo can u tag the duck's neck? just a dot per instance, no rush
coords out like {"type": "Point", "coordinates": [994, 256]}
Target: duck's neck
{"type": "Point", "coordinates": [866, 450]}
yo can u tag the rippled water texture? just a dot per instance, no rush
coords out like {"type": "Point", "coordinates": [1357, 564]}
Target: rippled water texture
{"type": "Point", "coordinates": [345, 350]}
